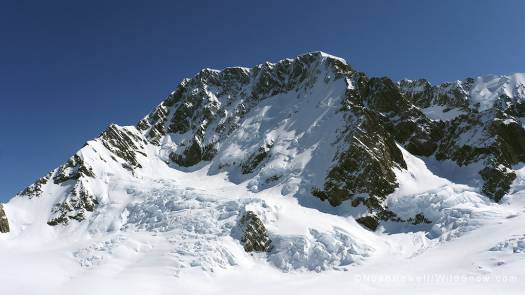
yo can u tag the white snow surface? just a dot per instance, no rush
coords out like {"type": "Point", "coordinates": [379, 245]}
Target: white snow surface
{"type": "Point", "coordinates": [480, 93]}
{"type": "Point", "coordinates": [488, 89]}
{"type": "Point", "coordinates": [441, 113]}
{"type": "Point", "coordinates": [173, 234]}
{"type": "Point", "coordinates": [161, 230]}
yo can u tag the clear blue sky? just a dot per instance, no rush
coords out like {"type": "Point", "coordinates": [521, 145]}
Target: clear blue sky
{"type": "Point", "coordinates": [70, 68]}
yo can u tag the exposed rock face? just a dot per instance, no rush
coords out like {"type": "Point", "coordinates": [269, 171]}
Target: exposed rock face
{"type": "Point", "coordinates": [256, 158]}
{"type": "Point", "coordinates": [4, 223]}
{"type": "Point", "coordinates": [497, 181]}
{"type": "Point", "coordinates": [77, 203]}
{"type": "Point", "coordinates": [492, 135]}
{"type": "Point", "coordinates": [124, 144]}
{"type": "Point", "coordinates": [450, 95]}
{"type": "Point", "coordinates": [254, 234]}
{"type": "Point", "coordinates": [35, 189]}
{"type": "Point", "coordinates": [365, 167]}
{"type": "Point", "coordinates": [383, 112]}
{"type": "Point", "coordinates": [370, 222]}
{"type": "Point", "coordinates": [73, 170]}
{"type": "Point", "coordinates": [208, 107]}
{"type": "Point", "coordinates": [363, 172]}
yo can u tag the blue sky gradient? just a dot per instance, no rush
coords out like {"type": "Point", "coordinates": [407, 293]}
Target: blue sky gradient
{"type": "Point", "coordinates": [70, 68]}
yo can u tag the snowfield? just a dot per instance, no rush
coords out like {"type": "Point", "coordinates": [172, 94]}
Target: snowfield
{"type": "Point", "coordinates": [176, 237]}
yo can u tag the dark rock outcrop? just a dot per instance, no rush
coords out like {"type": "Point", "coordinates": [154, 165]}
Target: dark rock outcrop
{"type": "Point", "coordinates": [370, 222]}
{"type": "Point", "coordinates": [124, 144]}
{"type": "Point", "coordinates": [35, 189]}
{"type": "Point", "coordinates": [497, 181]}
{"type": "Point", "coordinates": [75, 207]}
{"type": "Point", "coordinates": [364, 169]}
{"type": "Point", "coordinates": [4, 223]}
{"type": "Point", "coordinates": [254, 234]}
{"type": "Point", "coordinates": [262, 153]}
{"type": "Point", "coordinates": [73, 170]}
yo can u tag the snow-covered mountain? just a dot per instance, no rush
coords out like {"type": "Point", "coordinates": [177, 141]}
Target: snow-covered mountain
{"type": "Point", "coordinates": [301, 166]}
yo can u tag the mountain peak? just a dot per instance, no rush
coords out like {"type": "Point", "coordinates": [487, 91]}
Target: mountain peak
{"type": "Point", "coordinates": [268, 159]}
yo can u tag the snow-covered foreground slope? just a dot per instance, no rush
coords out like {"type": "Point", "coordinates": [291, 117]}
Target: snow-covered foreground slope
{"type": "Point", "coordinates": [174, 236]}
{"type": "Point", "coordinates": [303, 176]}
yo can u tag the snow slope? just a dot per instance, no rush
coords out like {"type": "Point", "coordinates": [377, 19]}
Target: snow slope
{"type": "Point", "coordinates": [176, 240]}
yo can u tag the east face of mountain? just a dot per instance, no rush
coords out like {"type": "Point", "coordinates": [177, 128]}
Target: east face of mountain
{"type": "Point", "coordinates": [311, 125]}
